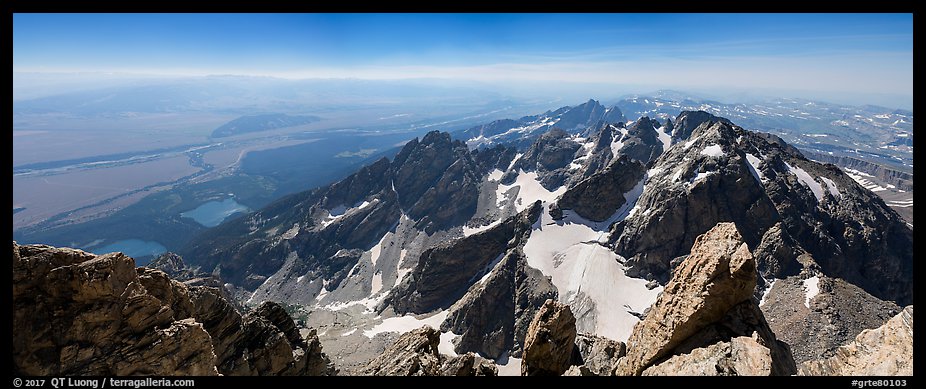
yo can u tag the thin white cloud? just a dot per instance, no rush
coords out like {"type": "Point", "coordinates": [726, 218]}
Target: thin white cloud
{"type": "Point", "coordinates": [831, 73]}
{"type": "Point", "coordinates": [890, 73]}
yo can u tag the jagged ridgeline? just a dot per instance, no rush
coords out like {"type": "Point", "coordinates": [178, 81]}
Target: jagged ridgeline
{"type": "Point", "coordinates": [471, 233]}
{"type": "Point", "coordinates": [575, 204]}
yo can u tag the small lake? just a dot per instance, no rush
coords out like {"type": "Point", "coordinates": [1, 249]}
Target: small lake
{"type": "Point", "coordinates": [213, 213]}
{"type": "Point", "coordinates": [134, 248]}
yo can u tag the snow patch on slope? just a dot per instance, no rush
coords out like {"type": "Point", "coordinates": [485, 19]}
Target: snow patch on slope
{"type": "Point", "coordinates": [665, 138]}
{"type": "Point", "coordinates": [712, 151]}
{"type": "Point", "coordinates": [376, 283]}
{"type": "Point", "coordinates": [701, 176]}
{"type": "Point", "coordinates": [754, 167]}
{"type": "Point", "coordinates": [529, 190]}
{"type": "Point", "coordinates": [616, 143]}
{"type": "Point", "coordinates": [495, 175]}
{"type": "Point", "coordinates": [811, 289]}
{"type": "Point", "coordinates": [403, 324]}
{"type": "Point", "coordinates": [630, 206]}
{"type": "Point", "coordinates": [807, 180]}
{"type": "Point", "coordinates": [580, 268]}
{"type": "Point", "coordinates": [340, 211]}
{"type": "Point", "coordinates": [467, 230]}
{"type": "Point", "coordinates": [690, 142]}
{"type": "Point", "coordinates": [768, 291]}
{"type": "Point", "coordinates": [378, 248]}
{"type": "Point", "coordinates": [446, 343]}
{"type": "Point", "coordinates": [513, 160]}
{"type": "Point", "coordinates": [831, 186]}
{"type": "Point", "coordinates": [508, 366]}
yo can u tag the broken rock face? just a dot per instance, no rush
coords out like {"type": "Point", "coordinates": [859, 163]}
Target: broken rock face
{"type": "Point", "coordinates": [597, 355]}
{"type": "Point", "coordinates": [415, 353]}
{"type": "Point", "coordinates": [706, 306]}
{"type": "Point", "coordinates": [739, 356]}
{"type": "Point", "coordinates": [550, 339]}
{"type": "Point", "coordinates": [80, 314]}
{"type": "Point", "coordinates": [77, 313]}
{"type": "Point", "coordinates": [884, 351]}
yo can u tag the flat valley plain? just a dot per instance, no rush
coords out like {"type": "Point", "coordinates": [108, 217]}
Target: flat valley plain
{"type": "Point", "coordinates": [117, 178]}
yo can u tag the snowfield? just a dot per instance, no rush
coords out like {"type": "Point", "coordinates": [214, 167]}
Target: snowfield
{"type": "Point", "coordinates": [508, 366]}
{"type": "Point", "coordinates": [589, 277]}
{"type": "Point", "coordinates": [529, 190]}
{"type": "Point", "coordinates": [403, 324]}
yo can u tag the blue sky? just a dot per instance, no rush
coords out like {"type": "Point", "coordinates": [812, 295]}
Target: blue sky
{"type": "Point", "coordinates": [828, 53]}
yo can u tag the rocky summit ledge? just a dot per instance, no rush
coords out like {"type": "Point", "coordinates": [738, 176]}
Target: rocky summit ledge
{"type": "Point", "coordinates": [76, 313]}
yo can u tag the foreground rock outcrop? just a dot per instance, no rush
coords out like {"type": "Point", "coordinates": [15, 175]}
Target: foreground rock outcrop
{"type": "Point", "coordinates": [884, 351]}
{"type": "Point", "coordinates": [550, 340]}
{"type": "Point", "coordinates": [416, 353]}
{"type": "Point", "coordinates": [76, 313]}
{"type": "Point", "coordinates": [468, 364]}
{"type": "Point", "coordinates": [413, 354]}
{"type": "Point", "coordinates": [739, 356]}
{"type": "Point", "coordinates": [596, 355]}
{"type": "Point", "coordinates": [707, 315]}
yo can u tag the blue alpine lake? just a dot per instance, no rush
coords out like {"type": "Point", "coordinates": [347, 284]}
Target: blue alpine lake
{"type": "Point", "coordinates": [214, 212]}
{"type": "Point", "coordinates": [134, 248]}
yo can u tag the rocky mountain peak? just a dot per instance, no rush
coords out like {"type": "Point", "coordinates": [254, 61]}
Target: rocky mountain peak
{"type": "Point", "coordinates": [436, 138]}
{"type": "Point", "coordinates": [486, 235]}
{"type": "Point", "coordinates": [549, 155]}
{"type": "Point", "coordinates": [521, 133]}
{"type": "Point", "coordinates": [598, 197]}
{"type": "Point", "coordinates": [583, 115]}
{"type": "Point", "coordinates": [642, 141]}
{"type": "Point", "coordinates": [169, 263]}
{"type": "Point", "coordinates": [644, 124]}
{"type": "Point", "coordinates": [725, 173]}
{"type": "Point", "coordinates": [714, 130]}
{"type": "Point", "coordinates": [687, 121]}
{"type": "Point", "coordinates": [704, 310]}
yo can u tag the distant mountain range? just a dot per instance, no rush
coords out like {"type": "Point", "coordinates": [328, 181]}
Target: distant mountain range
{"type": "Point", "coordinates": [596, 215]}
{"type": "Point", "coordinates": [877, 134]}
{"type": "Point", "coordinates": [680, 243]}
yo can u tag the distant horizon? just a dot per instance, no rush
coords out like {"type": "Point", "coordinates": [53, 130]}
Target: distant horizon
{"type": "Point", "coordinates": [817, 56]}
{"type": "Point", "coordinates": [728, 96]}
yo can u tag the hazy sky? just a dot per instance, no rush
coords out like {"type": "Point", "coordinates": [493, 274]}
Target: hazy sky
{"type": "Point", "coordinates": [824, 55]}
